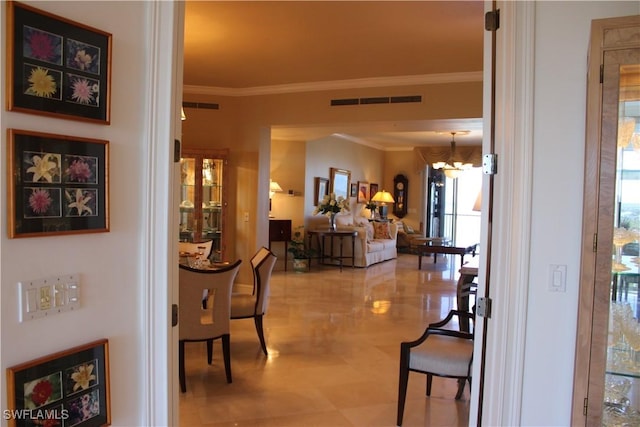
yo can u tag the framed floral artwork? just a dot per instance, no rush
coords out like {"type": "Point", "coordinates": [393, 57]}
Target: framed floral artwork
{"type": "Point", "coordinates": [69, 388]}
{"type": "Point", "coordinates": [57, 184]}
{"type": "Point", "coordinates": [57, 67]}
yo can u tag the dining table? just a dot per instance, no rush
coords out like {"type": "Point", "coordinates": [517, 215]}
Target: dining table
{"type": "Point", "coordinates": [466, 286]}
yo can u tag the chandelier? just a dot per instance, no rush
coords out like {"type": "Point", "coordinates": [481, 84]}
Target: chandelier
{"type": "Point", "coordinates": [452, 167]}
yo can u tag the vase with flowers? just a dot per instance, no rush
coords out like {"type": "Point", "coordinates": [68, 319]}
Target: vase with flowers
{"type": "Point", "coordinates": [330, 206]}
{"type": "Point", "coordinates": [372, 206]}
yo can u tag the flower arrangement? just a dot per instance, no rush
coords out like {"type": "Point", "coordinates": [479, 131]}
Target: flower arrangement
{"type": "Point", "coordinates": [371, 205]}
{"type": "Point", "coordinates": [331, 205]}
{"type": "Point", "coordinates": [297, 246]}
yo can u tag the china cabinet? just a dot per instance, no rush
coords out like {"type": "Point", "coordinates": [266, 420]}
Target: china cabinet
{"type": "Point", "coordinates": [607, 368]}
{"type": "Point", "coordinates": [203, 199]}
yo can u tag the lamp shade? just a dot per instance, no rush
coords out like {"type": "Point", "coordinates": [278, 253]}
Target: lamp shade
{"type": "Point", "coordinates": [274, 188]}
{"type": "Point", "coordinates": [383, 197]}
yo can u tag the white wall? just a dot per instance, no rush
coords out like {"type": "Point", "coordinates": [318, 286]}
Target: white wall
{"type": "Point", "coordinates": [110, 264]}
{"type": "Point", "coordinates": [562, 31]}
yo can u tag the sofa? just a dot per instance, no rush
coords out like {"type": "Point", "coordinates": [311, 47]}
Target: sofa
{"type": "Point", "coordinates": [374, 243]}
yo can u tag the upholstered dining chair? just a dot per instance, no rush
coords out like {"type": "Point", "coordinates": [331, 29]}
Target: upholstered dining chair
{"type": "Point", "coordinates": [251, 301]}
{"type": "Point", "coordinates": [440, 351]}
{"type": "Point", "coordinates": [205, 322]}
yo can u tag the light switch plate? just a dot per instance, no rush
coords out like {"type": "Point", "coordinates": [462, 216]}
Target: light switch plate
{"type": "Point", "coordinates": [46, 297]}
{"type": "Point", "coordinates": [557, 278]}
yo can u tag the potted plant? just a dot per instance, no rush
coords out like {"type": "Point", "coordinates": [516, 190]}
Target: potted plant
{"type": "Point", "coordinates": [301, 253]}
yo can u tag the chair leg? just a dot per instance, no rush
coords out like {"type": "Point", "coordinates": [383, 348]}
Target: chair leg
{"type": "Point", "coordinates": [259, 330]}
{"type": "Point", "coordinates": [461, 382]}
{"type": "Point", "coordinates": [429, 382]}
{"type": "Point", "coordinates": [226, 350]}
{"type": "Point", "coordinates": [183, 385]}
{"type": "Point", "coordinates": [209, 351]}
{"type": "Point", "coordinates": [402, 382]}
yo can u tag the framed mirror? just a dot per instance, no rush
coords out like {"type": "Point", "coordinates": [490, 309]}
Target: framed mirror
{"type": "Point", "coordinates": [340, 182]}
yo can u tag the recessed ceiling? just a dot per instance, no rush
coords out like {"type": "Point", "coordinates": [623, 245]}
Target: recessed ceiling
{"type": "Point", "coordinates": [239, 45]}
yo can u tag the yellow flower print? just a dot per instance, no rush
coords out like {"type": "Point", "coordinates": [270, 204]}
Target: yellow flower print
{"type": "Point", "coordinates": [83, 377]}
{"type": "Point", "coordinates": [42, 167]}
{"type": "Point", "coordinates": [42, 84]}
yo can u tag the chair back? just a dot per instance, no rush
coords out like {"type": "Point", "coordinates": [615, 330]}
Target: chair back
{"type": "Point", "coordinates": [262, 263]}
{"type": "Point", "coordinates": [198, 321]}
{"type": "Point", "coordinates": [192, 248]}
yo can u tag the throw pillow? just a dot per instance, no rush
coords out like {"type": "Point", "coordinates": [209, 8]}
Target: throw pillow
{"type": "Point", "coordinates": [381, 230]}
{"type": "Point", "coordinates": [369, 228]}
{"type": "Point", "coordinates": [344, 220]}
{"type": "Point", "coordinates": [408, 229]}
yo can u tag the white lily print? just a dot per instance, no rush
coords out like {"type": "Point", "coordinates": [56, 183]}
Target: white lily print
{"type": "Point", "coordinates": [42, 167]}
{"type": "Point", "coordinates": [80, 203]}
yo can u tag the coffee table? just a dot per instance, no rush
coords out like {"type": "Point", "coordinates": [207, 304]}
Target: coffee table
{"type": "Point", "coordinates": [428, 249]}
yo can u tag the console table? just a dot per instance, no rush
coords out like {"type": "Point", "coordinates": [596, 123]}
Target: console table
{"type": "Point", "coordinates": [321, 234]}
{"type": "Point", "coordinates": [280, 231]}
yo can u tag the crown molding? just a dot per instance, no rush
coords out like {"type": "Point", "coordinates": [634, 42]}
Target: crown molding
{"type": "Point", "coordinates": [420, 79]}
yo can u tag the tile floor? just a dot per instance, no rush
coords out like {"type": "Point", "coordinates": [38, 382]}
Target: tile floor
{"type": "Point", "coordinates": [334, 343]}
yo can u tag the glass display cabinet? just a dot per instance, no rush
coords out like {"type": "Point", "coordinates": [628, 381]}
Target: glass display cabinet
{"type": "Point", "coordinates": [607, 369]}
{"type": "Point", "coordinates": [203, 198]}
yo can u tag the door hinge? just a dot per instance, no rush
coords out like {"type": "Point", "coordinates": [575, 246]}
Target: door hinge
{"type": "Point", "coordinates": [585, 407]}
{"type": "Point", "coordinates": [595, 242]}
{"type": "Point", "coordinates": [601, 73]}
{"type": "Point", "coordinates": [492, 20]}
{"type": "Point", "coordinates": [174, 315]}
{"type": "Point", "coordinates": [176, 151]}
{"type": "Point", "coordinates": [490, 164]}
{"type": "Point", "coordinates": [483, 307]}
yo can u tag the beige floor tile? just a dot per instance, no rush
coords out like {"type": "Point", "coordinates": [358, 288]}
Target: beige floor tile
{"type": "Point", "coordinates": [334, 343]}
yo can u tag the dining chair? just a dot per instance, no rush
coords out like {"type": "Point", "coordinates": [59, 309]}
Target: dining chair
{"type": "Point", "coordinates": [252, 301]}
{"type": "Point", "coordinates": [205, 322]}
{"type": "Point", "coordinates": [440, 351]}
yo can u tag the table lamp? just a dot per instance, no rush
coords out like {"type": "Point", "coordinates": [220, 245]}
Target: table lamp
{"type": "Point", "coordinates": [383, 197]}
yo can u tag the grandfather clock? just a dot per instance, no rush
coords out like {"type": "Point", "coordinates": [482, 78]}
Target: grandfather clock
{"type": "Point", "coordinates": [400, 193]}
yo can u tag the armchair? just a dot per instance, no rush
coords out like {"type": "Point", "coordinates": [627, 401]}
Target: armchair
{"type": "Point", "coordinates": [439, 351]}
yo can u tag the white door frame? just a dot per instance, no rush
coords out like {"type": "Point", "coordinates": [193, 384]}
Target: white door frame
{"type": "Point", "coordinates": [509, 264]}
{"type": "Point", "coordinates": [165, 21]}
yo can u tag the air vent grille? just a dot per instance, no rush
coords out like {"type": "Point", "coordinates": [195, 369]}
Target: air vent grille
{"type": "Point", "coordinates": [201, 105]}
{"type": "Point", "coordinates": [377, 100]}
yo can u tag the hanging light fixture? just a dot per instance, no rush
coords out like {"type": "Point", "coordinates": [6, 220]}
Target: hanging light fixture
{"type": "Point", "coordinates": [452, 168]}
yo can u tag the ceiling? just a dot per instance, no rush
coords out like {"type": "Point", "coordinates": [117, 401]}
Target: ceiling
{"type": "Point", "coordinates": [244, 47]}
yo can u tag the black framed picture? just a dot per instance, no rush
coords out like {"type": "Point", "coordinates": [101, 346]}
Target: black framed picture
{"type": "Point", "coordinates": [57, 67]}
{"type": "Point", "coordinates": [57, 184]}
{"type": "Point", "coordinates": [69, 388]}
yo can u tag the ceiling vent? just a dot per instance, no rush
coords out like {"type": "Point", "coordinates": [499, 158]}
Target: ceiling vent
{"type": "Point", "coordinates": [377, 100]}
{"type": "Point", "coordinates": [201, 105]}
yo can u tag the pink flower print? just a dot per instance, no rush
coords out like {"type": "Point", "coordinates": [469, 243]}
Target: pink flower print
{"type": "Point", "coordinates": [41, 46]}
{"type": "Point", "coordinates": [82, 92]}
{"type": "Point", "coordinates": [79, 171]}
{"type": "Point", "coordinates": [39, 201]}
